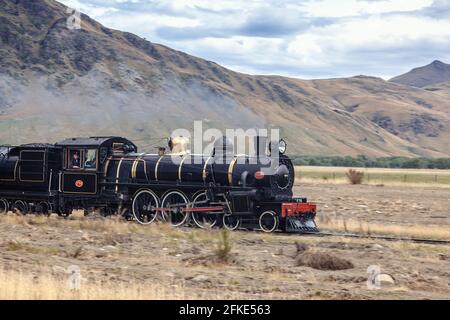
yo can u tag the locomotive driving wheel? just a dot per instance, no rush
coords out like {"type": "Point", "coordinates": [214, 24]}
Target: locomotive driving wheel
{"type": "Point", "coordinates": [268, 221]}
{"type": "Point", "coordinates": [144, 206]}
{"type": "Point", "coordinates": [173, 204]}
{"type": "Point", "coordinates": [204, 220]}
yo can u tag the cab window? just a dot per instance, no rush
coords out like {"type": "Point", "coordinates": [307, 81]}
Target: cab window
{"type": "Point", "coordinates": [74, 159]}
{"type": "Point", "coordinates": [79, 159]}
{"type": "Point", "coordinates": [90, 159]}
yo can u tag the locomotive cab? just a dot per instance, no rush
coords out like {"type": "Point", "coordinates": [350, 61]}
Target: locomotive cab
{"type": "Point", "coordinates": [83, 162]}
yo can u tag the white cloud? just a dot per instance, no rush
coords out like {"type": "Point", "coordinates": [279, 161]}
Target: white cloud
{"type": "Point", "coordinates": [315, 38]}
{"type": "Point", "coordinates": [345, 8]}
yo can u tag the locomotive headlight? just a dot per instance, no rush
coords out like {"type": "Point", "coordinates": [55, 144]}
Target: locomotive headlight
{"type": "Point", "coordinates": [282, 146]}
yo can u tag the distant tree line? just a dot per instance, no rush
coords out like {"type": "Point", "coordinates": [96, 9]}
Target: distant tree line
{"type": "Point", "coordinates": [363, 161]}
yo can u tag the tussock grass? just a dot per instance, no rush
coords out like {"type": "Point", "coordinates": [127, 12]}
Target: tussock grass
{"type": "Point", "coordinates": [224, 246]}
{"type": "Point", "coordinates": [322, 261]}
{"type": "Point", "coordinates": [355, 176]}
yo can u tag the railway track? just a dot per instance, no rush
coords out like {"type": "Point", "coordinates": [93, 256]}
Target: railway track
{"type": "Point", "coordinates": [377, 237]}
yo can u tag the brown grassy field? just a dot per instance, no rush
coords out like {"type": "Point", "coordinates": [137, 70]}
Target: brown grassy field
{"type": "Point", "coordinates": [375, 176]}
{"type": "Point", "coordinates": [122, 260]}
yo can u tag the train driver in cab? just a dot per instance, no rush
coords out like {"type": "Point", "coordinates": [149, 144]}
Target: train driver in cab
{"type": "Point", "coordinates": [75, 164]}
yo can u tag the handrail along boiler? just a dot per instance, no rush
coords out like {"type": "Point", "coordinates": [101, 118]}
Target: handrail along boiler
{"type": "Point", "coordinates": [108, 174]}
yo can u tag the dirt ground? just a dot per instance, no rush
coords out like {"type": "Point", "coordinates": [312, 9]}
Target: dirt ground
{"type": "Point", "coordinates": [259, 265]}
{"type": "Point", "coordinates": [400, 205]}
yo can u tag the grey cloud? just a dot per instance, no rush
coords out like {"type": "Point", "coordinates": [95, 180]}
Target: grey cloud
{"type": "Point", "coordinates": [277, 19]}
{"type": "Point", "coordinates": [439, 9]}
{"type": "Point", "coordinates": [261, 25]}
{"type": "Point", "coordinates": [279, 22]}
{"type": "Point", "coordinates": [190, 33]}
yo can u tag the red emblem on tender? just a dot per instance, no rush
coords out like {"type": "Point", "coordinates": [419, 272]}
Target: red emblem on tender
{"type": "Point", "coordinates": [79, 183]}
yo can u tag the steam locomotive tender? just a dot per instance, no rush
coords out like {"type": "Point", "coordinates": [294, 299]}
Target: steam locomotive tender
{"type": "Point", "coordinates": [108, 174]}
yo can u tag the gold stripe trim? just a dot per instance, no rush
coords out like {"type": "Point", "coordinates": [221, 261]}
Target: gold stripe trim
{"type": "Point", "coordinates": [145, 168]}
{"type": "Point", "coordinates": [204, 169]}
{"type": "Point", "coordinates": [133, 169]}
{"type": "Point", "coordinates": [117, 174]}
{"type": "Point", "coordinates": [135, 166]}
{"type": "Point", "coordinates": [156, 168]}
{"type": "Point", "coordinates": [230, 171]}
{"type": "Point", "coordinates": [105, 171]}
{"type": "Point", "coordinates": [181, 165]}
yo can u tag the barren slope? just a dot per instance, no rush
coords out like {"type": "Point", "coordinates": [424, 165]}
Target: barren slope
{"type": "Point", "coordinates": [56, 82]}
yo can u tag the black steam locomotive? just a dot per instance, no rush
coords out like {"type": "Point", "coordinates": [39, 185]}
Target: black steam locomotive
{"type": "Point", "coordinates": [108, 174]}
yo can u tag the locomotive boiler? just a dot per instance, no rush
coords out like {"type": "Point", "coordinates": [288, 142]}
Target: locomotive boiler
{"type": "Point", "coordinates": [219, 189]}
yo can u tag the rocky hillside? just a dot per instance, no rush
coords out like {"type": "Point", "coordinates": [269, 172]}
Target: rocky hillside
{"type": "Point", "coordinates": [56, 82]}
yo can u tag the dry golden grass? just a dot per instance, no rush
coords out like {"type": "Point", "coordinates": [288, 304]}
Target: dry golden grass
{"type": "Point", "coordinates": [365, 228]}
{"type": "Point", "coordinates": [45, 286]}
{"type": "Point", "coordinates": [77, 221]}
{"type": "Point", "coordinates": [340, 181]}
{"type": "Point", "coordinates": [375, 176]}
{"type": "Point", "coordinates": [168, 234]}
{"type": "Point", "coordinates": [19, 246]}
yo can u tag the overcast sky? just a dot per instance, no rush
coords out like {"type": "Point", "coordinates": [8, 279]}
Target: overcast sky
{"type": "Point", "coordinates": [303, 38]}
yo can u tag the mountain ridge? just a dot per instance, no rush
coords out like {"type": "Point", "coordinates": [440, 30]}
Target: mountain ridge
{"type": "Point", "coordinates": [56, 82]}
{"type": "Point", "coordinates": [434, 73]}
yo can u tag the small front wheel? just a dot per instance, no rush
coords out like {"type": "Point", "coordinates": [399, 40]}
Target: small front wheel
{"type": "Point", "coordinates": [268, 221]}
